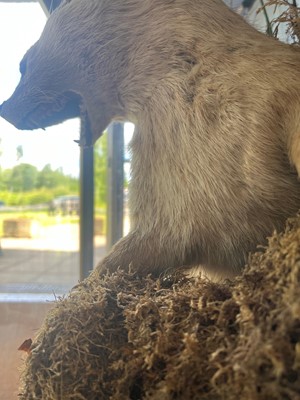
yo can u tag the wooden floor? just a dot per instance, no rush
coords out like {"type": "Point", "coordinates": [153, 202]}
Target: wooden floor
{"type": "Point", "coordinates": [19, 321]}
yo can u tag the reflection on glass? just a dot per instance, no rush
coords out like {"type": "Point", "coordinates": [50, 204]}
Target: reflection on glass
{"type": "Point", "coordinates": [39, 203]}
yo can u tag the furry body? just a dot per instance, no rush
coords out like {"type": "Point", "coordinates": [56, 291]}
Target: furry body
{"type": "Point", "coordinates": [216, 105]}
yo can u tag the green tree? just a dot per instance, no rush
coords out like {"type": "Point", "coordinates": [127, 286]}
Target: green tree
{"type": "Point", "coordinates": [100, 170]}
{"type": "Point", "coordinates": [22, 178]}
{"type": "Point", "coordinates": [5, 179]}
{"type": "Point", "coordinates": [48, 178]}
{"type": "Point", "coordinates": [2, 184]}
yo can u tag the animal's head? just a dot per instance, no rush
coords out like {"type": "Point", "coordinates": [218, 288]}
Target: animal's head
{"type": "Point", "coordinates": [104, 58]}
{"type": "Point", "coordinates": [67, 72]}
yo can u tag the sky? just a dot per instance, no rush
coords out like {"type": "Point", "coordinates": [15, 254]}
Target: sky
{"type": "Point", "coordinates": [20, 27]}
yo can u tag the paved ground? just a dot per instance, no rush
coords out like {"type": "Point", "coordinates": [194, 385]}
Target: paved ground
{"type": "Point", "coordinates": [47, 264]}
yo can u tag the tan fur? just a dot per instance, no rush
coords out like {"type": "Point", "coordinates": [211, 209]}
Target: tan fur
{"type": "Point", "coordinates": [216, 106]}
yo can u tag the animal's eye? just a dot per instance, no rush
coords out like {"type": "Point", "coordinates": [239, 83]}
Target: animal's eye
{"type": "Point", "coordinates": [22, 67]}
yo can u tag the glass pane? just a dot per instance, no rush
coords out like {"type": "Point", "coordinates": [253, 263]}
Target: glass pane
{"type": "Point", "coordinates": [39, 203]}
{"type": "Point", "coordinates": [39, 221]}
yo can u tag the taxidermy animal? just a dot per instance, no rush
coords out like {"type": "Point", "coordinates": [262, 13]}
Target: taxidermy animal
{"type": "Point", "coordinates": [216, 108]}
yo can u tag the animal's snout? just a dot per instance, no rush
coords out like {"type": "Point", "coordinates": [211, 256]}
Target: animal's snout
{"type": "Point", "coordinates": [8, 111]}
{"type": "Point", "coordinates": [5, 111]}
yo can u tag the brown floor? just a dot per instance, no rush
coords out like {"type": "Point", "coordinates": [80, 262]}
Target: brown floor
{"type": "Point", "coordinates": [18, 321]}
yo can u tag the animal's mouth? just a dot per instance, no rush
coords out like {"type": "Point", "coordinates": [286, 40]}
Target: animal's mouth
{"type": "Point", "coordinates": [52, 112]}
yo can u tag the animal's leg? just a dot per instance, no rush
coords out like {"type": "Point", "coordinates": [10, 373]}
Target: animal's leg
{"type": "Point", "coordinates": [142, 254]}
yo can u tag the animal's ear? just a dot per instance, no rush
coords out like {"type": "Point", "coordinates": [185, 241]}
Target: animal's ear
{"type": "Point", "coordinates": [65, 2]}
{"type": "Point", "coordinates": [57, 3]}
{"type": "Point", "coordinates": [23, 66]}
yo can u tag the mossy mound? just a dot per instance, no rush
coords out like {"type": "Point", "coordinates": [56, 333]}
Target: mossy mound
{"type": "Point", "coordinates": [122, 337]}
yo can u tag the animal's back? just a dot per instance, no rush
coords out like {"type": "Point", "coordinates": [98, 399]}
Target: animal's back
{"type": "Point", "coordinates": [224, 142]}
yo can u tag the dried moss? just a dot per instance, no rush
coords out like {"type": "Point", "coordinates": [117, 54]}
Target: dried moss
{"type": "Point", "coordinates": [122, 337]}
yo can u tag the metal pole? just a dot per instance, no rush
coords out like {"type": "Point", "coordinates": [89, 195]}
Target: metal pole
{"type": "Point", "coordinates": [115, 183]}
{"type": "Point", "coordinates": [86, 205]}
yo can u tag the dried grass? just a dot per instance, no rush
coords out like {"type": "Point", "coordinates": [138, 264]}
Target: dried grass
{"type": "Point", "coordinates": [122, 337]}
{"type": "Point", "coordinates": [290, 17]}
